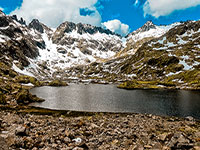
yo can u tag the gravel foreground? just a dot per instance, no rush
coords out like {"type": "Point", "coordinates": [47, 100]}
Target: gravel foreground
{"type": "Point", "coordinates": [98, 131]}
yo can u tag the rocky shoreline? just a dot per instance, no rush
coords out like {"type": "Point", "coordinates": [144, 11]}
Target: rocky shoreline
{"type": "Point", "coordinates": [26, 127]}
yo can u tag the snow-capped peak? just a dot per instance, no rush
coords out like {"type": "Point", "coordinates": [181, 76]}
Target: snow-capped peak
{"type": "Point", "coordinates": [69, 27]}
{"type": "Point", "coordinates": [150, 30]}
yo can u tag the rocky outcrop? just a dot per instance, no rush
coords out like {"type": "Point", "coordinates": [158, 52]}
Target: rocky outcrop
{"type": "Point", "coordinates": [25, 97]}
{"type": "Point", "coordinates": [21, 21]}
{"type": "Point", "coordinates": [3, 21]}
{"type": "Point", "coordinates": [146, 27]}
{"type": "Point", "coordinates": [35, 24]}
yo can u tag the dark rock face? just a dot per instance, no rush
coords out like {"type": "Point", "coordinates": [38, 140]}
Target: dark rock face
{"type": "Point", "coordinates": [3, 21]}
{"type": "Point", "coordinates": [61, 50]}
{"type": "Point", "coordinates": [21, 21]}
{"type": "Point", "coordinates": [18, 50]}
{"type": "Point", "coordinates": [10, 31]}
{"type": "Point", "coordinates": [18, 44]}
{"type": "Point", "coordinates": [147, 26]}
{"type": "Point", "coordinates": [35, 24]}
{"type": "Point", "coordinates": [163, 61]}
{"type": "Point", "coordinates": [41, 45]}
{"type": "Point", "coordinates": [70, 26]}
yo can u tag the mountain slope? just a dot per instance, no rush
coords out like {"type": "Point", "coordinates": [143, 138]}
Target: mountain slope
{"type": "Point", "coordinates": [44, 52]}
{"type": "Point", "coordinates": [165, 54]}
{"type": "Point", "coordinates": [71, 45]}
{"type": "Point", "coordinates": [172, 59]}
{"type": "Point", "coordinates": [144, 34]}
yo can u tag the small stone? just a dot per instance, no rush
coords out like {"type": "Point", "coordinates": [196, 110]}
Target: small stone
{"type": "Point", "coordinates": [182, 139]}
{"type": "Point", "coordinates": [77, 140]}
{"type": "Point", "coordinates": [165, 148]}
{"type": "Point", "coordinates": [21, 131]}
{"type": "Point", "coordinates": [162, 137]}
{"type": "Point", "coordinates": [148, 146]}
{"type": "Point", "coordinates": [78, 148]}
{"type": "Point", "coordinates": [157, 146]}
{"type": "Point", "coordinates": [94, 125]}
{"type": "Point", "coordinates": [189, 118]}
{"type": "Point", "coordinates": [114, 142]}
{"type": "Point", "coordinates": [67, 140]}
{"type": "Point", "coordinates": [138, 147]}
{"type": "Point", "coordinates": [4, 132]}
{"type": "Point", "coordinates": [54, 145]}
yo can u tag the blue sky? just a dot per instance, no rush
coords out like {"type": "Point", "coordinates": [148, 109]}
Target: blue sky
{"type": "Point", "coordinates": [118, 15]}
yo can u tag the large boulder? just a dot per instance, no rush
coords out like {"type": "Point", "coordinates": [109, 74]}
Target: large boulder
{"type": "Point", "coordinates": [35, 24]}
{"type": "Point", "coordinates": [25, 97]}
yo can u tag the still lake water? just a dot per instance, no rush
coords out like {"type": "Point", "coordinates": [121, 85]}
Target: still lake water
{"type": "Point", "coordinates": [108, 98]}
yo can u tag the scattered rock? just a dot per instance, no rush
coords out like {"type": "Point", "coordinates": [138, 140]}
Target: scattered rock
{"type": "Point", "coordinates": [99, 131]}
{"type": "Point", "coordinates": [3, 144]}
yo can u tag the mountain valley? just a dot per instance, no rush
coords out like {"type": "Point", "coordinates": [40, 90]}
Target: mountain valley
{"type": "Point", "coordinates": [153, 56]}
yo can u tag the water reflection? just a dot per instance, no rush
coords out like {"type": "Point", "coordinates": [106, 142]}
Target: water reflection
{"type": "Point", "coordinates": [108, 98]}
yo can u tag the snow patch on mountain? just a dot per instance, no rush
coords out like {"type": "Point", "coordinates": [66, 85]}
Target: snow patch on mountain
{"type": "Point", "coordinates": [24, 71]}
{"type": "Point", "coordinates": [154, 32]}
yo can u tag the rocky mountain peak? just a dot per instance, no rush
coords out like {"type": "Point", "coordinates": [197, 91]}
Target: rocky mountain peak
{"type": "Point", "coordinates": [35, 24]}
{"type": "Point", "coordinates": [84, 28]}
{"type": "Point", "coordinates": [21, 20]}
{"type": "Point", "coordinates": [147, 26]}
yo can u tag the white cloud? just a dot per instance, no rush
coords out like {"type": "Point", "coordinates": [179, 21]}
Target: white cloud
{"type": "Point", "coordinates": [54, 12]}
{"type": "Point", "coordinates": [159, 8]}
{"type": "Point", "coordinates": [2, 9]}
{"type": "Point", "coordinates": [117, 27]}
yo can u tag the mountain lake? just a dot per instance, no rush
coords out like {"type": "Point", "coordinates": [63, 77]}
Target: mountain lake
{"type": "Point", "coordinates": [109, 98]}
